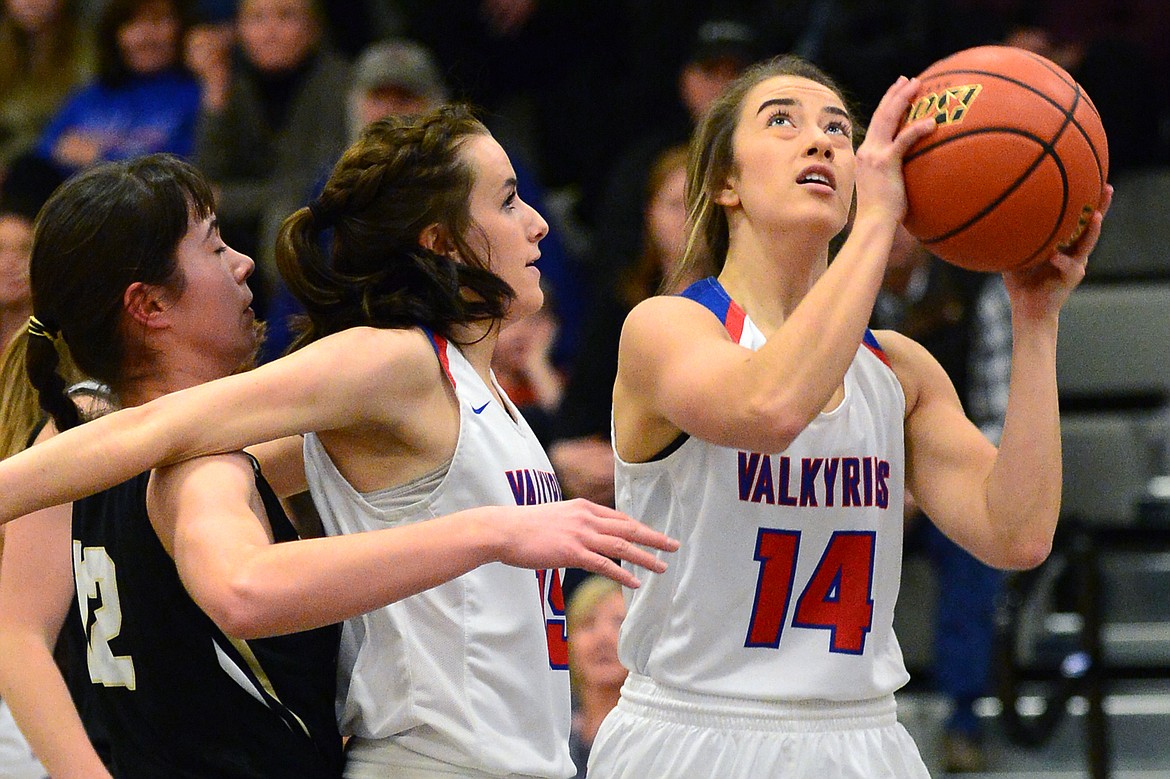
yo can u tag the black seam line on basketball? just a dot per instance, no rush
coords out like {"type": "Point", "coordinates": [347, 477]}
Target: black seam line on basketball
{"type": "Point", "coordinates": [1068, 113]}
{"type": "Point", "coordinates": [1046, 150]}
{"type": "Point", "coordinates": [1063, 210]}
{"type": "Point", "coordinates": [1078, 93]}
{"type": "Point", "coordinates": [1063, 76]}
{"type": "Point", "coordinates": [1048, 65]}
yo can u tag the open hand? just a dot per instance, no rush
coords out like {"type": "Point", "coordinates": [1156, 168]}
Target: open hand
{"type": "Point", "coordinates": [580, 534]}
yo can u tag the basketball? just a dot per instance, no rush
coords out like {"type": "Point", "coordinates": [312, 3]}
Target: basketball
{"type": "Point", "coordinates": [1014, 169]}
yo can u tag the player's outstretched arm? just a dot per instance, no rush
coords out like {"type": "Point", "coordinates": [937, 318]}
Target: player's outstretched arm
{"type": "Point", "coordinates": [209, 517]}
{"type": "Point", "coordinates": [360, 376]}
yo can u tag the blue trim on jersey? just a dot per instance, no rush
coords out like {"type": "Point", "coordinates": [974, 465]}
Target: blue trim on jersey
{"type": "Point", "coordinates": [870, 340]}
{"type": "Point", "coordinates": [871, 343]}
{"type": "Point", "coordinates": [710, 293]}
{"type": "Point", "coordinates": [431, 337]}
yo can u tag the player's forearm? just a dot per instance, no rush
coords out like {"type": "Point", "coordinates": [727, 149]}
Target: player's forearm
{"type": "Point", "coordinates": [33, 688]}
{"type": "Point", "coordinates": [1025, 484]}
{"type": "Point", "coordinates": [78, 462]}
{"type": "Point", "coordinates": [798, 369]}
{"type": "Point", "coordinates": [298, 586]}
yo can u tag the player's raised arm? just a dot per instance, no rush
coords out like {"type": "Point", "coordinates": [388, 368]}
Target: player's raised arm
{"type": "Point", "coordinates": [1001, 504]}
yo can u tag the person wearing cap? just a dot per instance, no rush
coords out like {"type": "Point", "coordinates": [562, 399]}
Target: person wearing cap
{"type": "Point", "coordinates": [392, 78]}
{"type": "Point", "coordinates": [400, 77]}
{"type": "Point", "coordinates": [396, 76]}
{"type": "Point", "coordinates": [721, 50]}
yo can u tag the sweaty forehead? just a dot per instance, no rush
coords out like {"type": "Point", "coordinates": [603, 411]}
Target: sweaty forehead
{"type": "Point", "coordinates": [807, 92]}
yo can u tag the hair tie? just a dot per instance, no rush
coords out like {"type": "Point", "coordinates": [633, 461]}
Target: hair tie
{"type": "Point", "coordinates": [39, 329]}
{"type": "Point", "coordinates": [320, 214]}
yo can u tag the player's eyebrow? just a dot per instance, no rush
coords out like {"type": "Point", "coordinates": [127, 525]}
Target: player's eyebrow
{"type": "Point", "coordinates": [791, 101]}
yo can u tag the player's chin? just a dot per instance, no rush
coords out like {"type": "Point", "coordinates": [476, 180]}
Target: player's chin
{"type": "Point", "coordinates": [251, 343]}
{"type": "Point", "coordinates": [529, 299]}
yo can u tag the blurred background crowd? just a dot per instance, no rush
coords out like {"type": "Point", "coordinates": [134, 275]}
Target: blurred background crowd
{"type": "Point", "coordinates": [593, 101]}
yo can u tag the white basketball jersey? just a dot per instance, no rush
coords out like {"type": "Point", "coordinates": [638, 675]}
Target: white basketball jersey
{"type": "Point", "coordinates": [785, 584]}
{"type": "Point", "coordinates": [472, 672]}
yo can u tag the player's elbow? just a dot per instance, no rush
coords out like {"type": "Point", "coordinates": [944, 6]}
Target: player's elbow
{"type": "Point", "coordinates": [1031, 554]}
{"type": "Point", "coordinates": [771, 424]}
{"type": "Point", "coordinates": [238, 609]}
{"type": "Point", "coordinates": [1022, 552]}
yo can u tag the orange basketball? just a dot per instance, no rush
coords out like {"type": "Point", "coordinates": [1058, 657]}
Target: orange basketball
{"type": "Point", "coordinates": [1016, 165]}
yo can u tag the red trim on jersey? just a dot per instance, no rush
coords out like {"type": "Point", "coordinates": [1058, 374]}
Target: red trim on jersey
{"type": "Point", "coordinates": [444, 360]}
{"type": "Point", "coordinates": [872, 344]}
{"type": "Point", "coordinates": [734, 322]}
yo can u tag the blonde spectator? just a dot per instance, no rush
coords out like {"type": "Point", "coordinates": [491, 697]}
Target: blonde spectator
{"type": "Point", "coordinates": [44, 53]}
{"type": "Point", "coordinates": [595, 613]}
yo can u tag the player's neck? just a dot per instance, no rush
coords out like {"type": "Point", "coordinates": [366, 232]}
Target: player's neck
{"type": "Point", "coordinates": [768, 291]}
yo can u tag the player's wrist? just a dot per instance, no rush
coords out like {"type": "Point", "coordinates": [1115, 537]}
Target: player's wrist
{"type": "Point", "coordinates": [488, 528]}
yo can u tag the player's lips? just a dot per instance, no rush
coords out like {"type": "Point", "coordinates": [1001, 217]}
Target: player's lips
{"type": "Point", "coordinates": [818, 174]}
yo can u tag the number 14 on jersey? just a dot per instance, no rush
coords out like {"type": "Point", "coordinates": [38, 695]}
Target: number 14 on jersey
{"type": "Point", "coordinates": [837, 596]}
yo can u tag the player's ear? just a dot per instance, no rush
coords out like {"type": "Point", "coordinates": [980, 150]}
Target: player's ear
{"type": "Point", "coordinates": [726, 195]}
{"type": "Point", "coordinates": [435, 238]}
{"type": "Point", "coordinates": [146, 304]}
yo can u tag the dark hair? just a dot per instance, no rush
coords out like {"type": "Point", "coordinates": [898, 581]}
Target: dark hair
{"type": "Point", "coordinates": [27, 185]}
{"type": "Point", "coordinates": [402, 175]}
{"type": "Point", "coordinates": [712, 160]}
{"type": "Point", "coordinates": [112, 68]}
{"type": "Point", "coordinates": [104, 229]}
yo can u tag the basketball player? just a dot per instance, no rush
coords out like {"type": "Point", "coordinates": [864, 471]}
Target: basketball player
{"type": "Point", "coordinates": [757, 418]}
{"type": "Point", "coordinates": [433, 251]}
{"type": "Point", "coordinates": [176, 571]}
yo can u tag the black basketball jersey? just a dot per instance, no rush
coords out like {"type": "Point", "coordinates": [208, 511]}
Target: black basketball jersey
{"type": "Point", "coordinates": [179, 698]}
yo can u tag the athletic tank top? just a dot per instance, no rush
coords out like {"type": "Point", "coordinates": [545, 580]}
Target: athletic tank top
{"type": "Point", "coordinates": [472, 672]}
{"type": "Point", "coordinates": [785, 584]}
{"type": "Point", "coordinates": [179, 698]}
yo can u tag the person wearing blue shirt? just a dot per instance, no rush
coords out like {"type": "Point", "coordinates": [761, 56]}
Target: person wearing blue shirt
{"type": "Point", "coordinates": [141, 102]}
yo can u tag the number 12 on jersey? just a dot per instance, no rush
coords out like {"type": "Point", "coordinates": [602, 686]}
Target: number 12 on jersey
{"type": "Point", "coordinates": [837, 597]}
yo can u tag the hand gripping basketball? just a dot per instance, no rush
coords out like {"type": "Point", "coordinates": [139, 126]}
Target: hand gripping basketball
{"type": "Point", "coordinates": [1016, 166]}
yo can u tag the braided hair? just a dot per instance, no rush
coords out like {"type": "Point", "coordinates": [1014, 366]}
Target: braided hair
{"type": "Point", "coordinates": [402, 175]}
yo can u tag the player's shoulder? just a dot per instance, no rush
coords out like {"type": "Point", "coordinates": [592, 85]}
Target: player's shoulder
{"type": "Point", "coordinates": [911, 362]}
{"type": "Point", "coordinates": [898, 347]}
{"type": "Point", "coordinates": [385, 357]}
{"type": "Point", "coordinates": [384, 343]}
{"type": "Point", "coordinates": [672, 316]}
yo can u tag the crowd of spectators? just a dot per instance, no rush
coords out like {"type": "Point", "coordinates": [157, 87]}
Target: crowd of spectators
{"type": "Point", "coordinates": [259, 93]}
